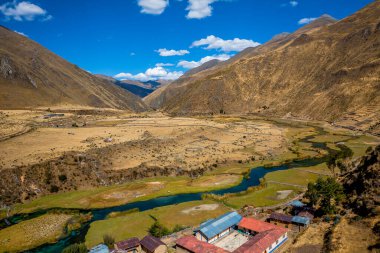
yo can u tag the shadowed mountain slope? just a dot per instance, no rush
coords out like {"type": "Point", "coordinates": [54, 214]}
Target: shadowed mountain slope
{"type": "Point", "coordinates": [32, 76]}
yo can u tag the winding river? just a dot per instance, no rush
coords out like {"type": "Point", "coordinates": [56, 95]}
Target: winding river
{"type": "Point", "coordinates": [100, 214]}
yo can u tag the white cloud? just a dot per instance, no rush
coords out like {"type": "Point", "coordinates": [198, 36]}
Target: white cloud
{"type": "Point", "coordinates": [23, 11]}
{"type": "Point", "coordinates": [155, 7]}
{"type": "Point", "coordinates": [293, 3]}
{"type": "Point", "coordinates": [166, 52]}
{"type": "Point", "coordinates": [194, 64]}
{"type": "Point", "coordinates": [306, 21]}
{"type": "Point", "coordinates": [21, 33]}
{"type": "Point", "coordinates": [213, 42]}
{"type": "Point", "coordinates": [164, 64]}
{"type": "Point", "coordinates": [199, 9]}
{"type": "Point", "coordinates": [151, 74]}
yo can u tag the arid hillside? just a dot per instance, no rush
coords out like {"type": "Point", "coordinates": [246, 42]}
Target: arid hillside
{"type": "Point", "coordinates": [32, 76]}
{"type": "Point", "coordinates": [326, 70]}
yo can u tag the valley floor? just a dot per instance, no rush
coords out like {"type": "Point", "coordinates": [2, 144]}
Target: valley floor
{"type": "Point", "coordinates": [221, 150]}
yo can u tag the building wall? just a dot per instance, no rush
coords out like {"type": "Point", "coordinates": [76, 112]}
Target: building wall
{"type": "Point", "coordinates": [281, 224]}
{"type": "Point", "coordinates": [277, 244]}
{"type": "Point", "coordinates": [161, 249]}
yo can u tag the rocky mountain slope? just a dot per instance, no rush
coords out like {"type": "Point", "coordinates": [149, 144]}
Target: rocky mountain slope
{"type": "Point", "coordinates": [32, 76]}
{"type": "Point", "coordinates": [325, 71]}
{"type": "Point", "coordinates": [157, 98]}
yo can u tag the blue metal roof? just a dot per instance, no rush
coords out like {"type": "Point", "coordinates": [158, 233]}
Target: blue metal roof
{"type": "Point", "coordinates": [301, 220]}
{"type": "Point", "coordinates": [101, 248]}
{"type": "Point", "coordinates": [297, 203]}
{"type": "Point", "coordinates": [213, 227]}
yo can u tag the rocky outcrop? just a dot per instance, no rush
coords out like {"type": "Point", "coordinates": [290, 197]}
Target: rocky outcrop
{"type": "Point", "coordinates": [361, 182]}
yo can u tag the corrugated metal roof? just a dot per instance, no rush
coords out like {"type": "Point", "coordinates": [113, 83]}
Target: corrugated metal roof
{"type": "Point", "coordinates": [213, 227]}
{"type": "Point", "coordinates": [301, 220]}
{"type": "Point", "coordinates": [101, 248]}
{"type": "Point", "coordinates": [151, 243]}
{"type": "Point", "coordinates": [281, 217]}
{"type": "Point", "coordinates": [191, 244]}
{"type": "Point", "coordinates": [297, 203]}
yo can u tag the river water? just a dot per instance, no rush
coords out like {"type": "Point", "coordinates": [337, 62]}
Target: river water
{"type": "Point", "coordinates": [100, 214]}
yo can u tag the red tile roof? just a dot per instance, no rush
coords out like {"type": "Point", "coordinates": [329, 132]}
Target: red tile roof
{"type": "Point", "coordinates": [257, 225]}
{"type": "Point", "coordinates": [267, 235]}
{"type": "Point", "coordinates": [192, 244]}
{"type": "Point", "coordinates": [261, 241]}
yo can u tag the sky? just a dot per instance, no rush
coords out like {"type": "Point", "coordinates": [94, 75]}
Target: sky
{"type": "Point", "coordinates": [159, 39]}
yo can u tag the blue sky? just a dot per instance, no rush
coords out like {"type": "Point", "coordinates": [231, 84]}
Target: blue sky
{"type": "Point", "coordinates": [124, 37]}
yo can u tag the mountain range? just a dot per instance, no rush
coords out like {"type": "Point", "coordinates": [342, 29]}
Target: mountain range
{"type": "Point", "coordinates": [32, 76]}
{"type": "Point", "coordinates": [327, 70]}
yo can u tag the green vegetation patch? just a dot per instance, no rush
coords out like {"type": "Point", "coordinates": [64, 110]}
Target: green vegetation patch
{"type": "Point", "coordinates": [32, 233]}
{"type": "Point", "coordinates": [138, 224]}
{"type": "Point", "coordinates": [267, 196]}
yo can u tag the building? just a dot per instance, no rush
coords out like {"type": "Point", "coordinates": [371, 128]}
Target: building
{"type": "Point", "coordinates": [151, 244]}
{"type": "Point", "coordinates": [300, 221]}
{"type": "Point", "coordinates": [281, 219]}
{"type": "Point", "coordinates": [190, 244]}
{"type": "Point", "coordinates": [267, 237]}
{"type": "Point", "coordinates": [131, 245]}
{"type": "Point", "coordinates": [212, 230]}
{"type": "Point", "coordinates": [101, 248]}
{"type": "Point", "coordinates": [297, 204]}
{"type": "Point", "coordinates": [306, 214]}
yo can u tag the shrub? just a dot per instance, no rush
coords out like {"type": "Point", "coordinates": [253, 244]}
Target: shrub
{"type": "Point", "coordinates": [108, 240]}
{"type": "Point", "coordinates": [75, 248]}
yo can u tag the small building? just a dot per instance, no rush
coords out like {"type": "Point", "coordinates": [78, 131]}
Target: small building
{"type": "Point", "coordinates": [190, 244]}
{"type": "Point", "coordinates": [101, 248]}
{"type": "Point", "coordinates": [212, 230]}
{"type": "Point", "coordinates": [297, 204]}
{"type": "Point", "coordinates": [151, 244]}
{"type": "Point", "coordinates": [300, 221]}
{"type": "Point", "coordinates": [281, 219]}
{"type": "Point", "coordinates": [267, 237]}
{"type": "Point", "coordinates": [306, 214]}
{"type": "Point", "coordinates": [131, 245]}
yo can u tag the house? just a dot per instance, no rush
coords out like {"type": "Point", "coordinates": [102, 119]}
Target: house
{"type": "Point", "coordinates": [281, 219]}
{"type": "Point", "coordinates": [267, 237]}
{"type": "Point", "coordinates": [151, 244]}
{"type": "Point", "coordinates": [297, 204]}
{"type": "Point", "coordinates": [306, 214]}
{"type": "Point", "coordinates": [212, 230]}
{"type": "Point", "coordinates": [101, 248]}
{"type": "Point", "coordinates": [300, 221]}
{"type": "Point", "coordinates": [131, 245]}
{"type": "Point", "coordinates": [190, 244]}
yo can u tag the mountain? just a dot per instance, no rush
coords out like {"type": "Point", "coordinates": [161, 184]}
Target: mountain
{"type": "Point", "coordinates": [141, 89]}
{"type": "Point", "coordinates": [165, 93]}
{"type": "Point", "coordinates": [323, 71]}
{"type": "Point", "coordinates": [32, 76]}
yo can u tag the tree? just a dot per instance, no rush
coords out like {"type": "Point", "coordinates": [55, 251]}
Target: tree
{"type": "Point", "coordinates": [75, 248]}
{"type": "Point", "coordinates": [158, 230]}
{"type": "Point", "coordinates": [325, 194]}
{"type": "Point", "coordinates": [108, 240]}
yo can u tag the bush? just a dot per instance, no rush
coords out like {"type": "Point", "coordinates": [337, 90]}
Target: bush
{"type": "Point", "coordinates": [108, 240]}
{"type": "Point", "coordinates": [159, 230]}
{"type": "Point", "coordinates": [75, 248]}
{"type": "Point", "coordinates": [62, 178]}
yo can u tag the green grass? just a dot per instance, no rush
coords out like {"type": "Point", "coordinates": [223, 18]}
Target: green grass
{"type": "Point", "coordinates": [99, 197]}
{"type": "Point", "coordinates": [292, 176]}
{"type": "Point", "coordinates": [263, 197]}
{"type": "Point", "coordinates": [360, 145]}
{"type": "Point", "coordinates": [137, 224]}
{"type": "Point", "coordinates": [33, 233]}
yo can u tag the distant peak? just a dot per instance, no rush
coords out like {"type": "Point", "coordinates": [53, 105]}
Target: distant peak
{"type": "Point", "coordinates": [327, 16]}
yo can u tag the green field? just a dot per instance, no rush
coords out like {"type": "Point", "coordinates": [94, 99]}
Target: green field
{"type": "Point", "coordinates": [120, 194]}
{"type": "Point", "coordinates": [33, 233]}
{"type": "Point", "coordinates": [137, 224]}
{"type": "Point", "coordinates": [262, 197]}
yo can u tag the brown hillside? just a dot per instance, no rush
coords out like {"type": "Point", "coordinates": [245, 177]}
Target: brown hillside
{"type": "Point", "coordinates": [318, 72]}
{"type": "Point", "coordinates": [32, 76]}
